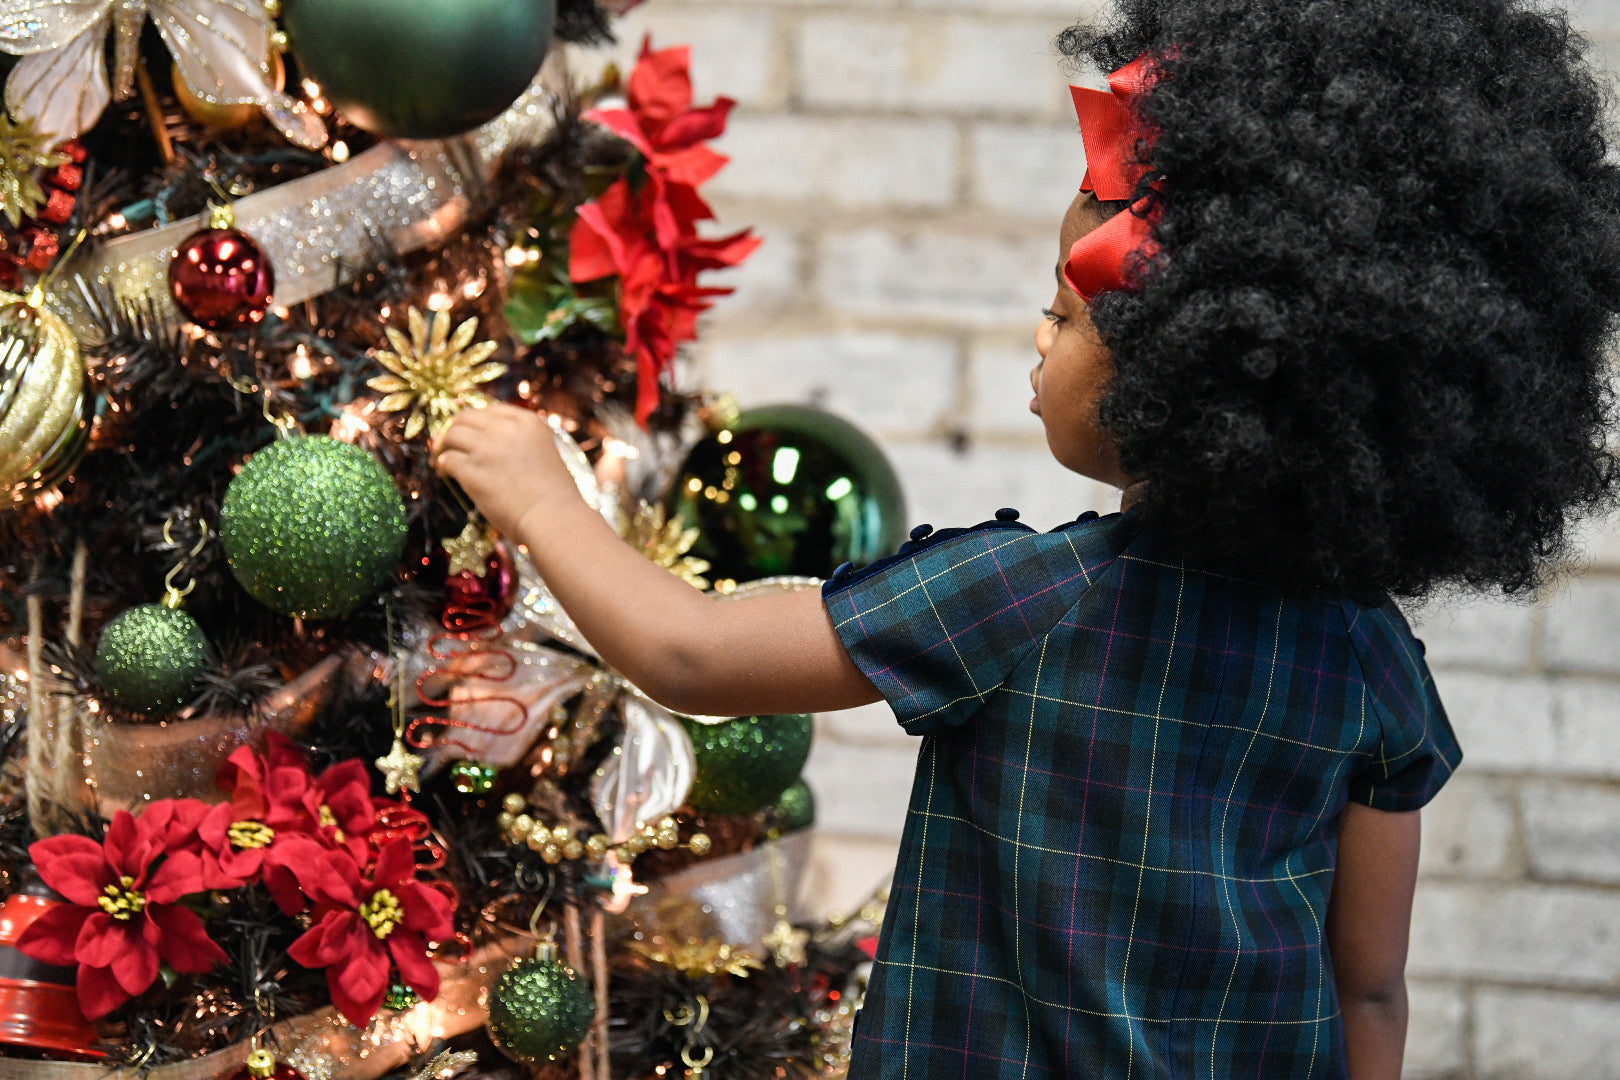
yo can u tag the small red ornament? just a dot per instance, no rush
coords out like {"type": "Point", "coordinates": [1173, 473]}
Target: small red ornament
{"type": "Point", "coordinates": [220, 277]}
{"type": "Point", "coordinates": [262, 1065]}
{"type": "Point", "coordinates": [473, 602]}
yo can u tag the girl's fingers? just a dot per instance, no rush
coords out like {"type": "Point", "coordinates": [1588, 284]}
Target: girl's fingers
{"type": "Point", "coordinates": [449, 462]}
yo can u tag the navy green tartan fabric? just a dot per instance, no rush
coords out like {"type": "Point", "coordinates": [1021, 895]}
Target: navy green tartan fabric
{"type": "Point", "coordinates": [1121, 839]}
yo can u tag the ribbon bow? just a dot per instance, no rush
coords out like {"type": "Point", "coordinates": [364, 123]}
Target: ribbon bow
{"type": "Point", "coordinates": [1110, 121]}
{"type": "Point", "coordinates": [221, 46]}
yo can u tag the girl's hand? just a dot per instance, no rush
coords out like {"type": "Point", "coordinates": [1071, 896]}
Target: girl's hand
{"type": "Point", "coordinates": [505, 459]}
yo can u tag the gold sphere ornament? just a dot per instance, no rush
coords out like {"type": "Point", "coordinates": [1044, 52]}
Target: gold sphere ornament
{"type": "Point", "coordinates": [223, 116]}
{"type": "Point", "coordinates": [44, 407]}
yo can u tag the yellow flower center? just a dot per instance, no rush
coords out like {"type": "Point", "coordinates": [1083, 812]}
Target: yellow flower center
{"type": "Point", "coordinates": [121, 901]}
{"type": "Point", "coordinates": [250, 834]}
{"type": "Point", "coordinates": [382, 913]}
{"type": "Point", "coordinates": [329, 820]}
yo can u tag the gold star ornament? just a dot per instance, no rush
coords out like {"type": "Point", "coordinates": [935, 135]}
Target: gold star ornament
{"type": "Point", "coordinates": [786, 943]}
{"type": "Point", "coordinates": [434, 373]}
{"type": "Point", "coordinates": [470, 550]}
{"type": "Point", "coordinates": [22, 151]}
{"type": "Point", "coordinates": [666, 543]}
{"type": "Point", "coordinates": [400, 768]}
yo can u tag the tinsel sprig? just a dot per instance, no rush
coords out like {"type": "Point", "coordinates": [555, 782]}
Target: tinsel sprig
{"type": "Point", "coordinates": [23, 151]}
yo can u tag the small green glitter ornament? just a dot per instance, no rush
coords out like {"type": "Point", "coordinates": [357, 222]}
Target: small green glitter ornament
{"type": "Point", "coordinates": [539, 1010]}
{"type": "Point", "coordinates": [312, 527]}
{"type": "Point", "coordinates": [150, 657]}
{"type": "Point", "coordinates": [473, 777]}
{"type": "Point", "coordinates": [400, 997]}
{"type": "Point", "coordinates": [796, 808]}
{"type": "Point", "coordinates": [744, 765]}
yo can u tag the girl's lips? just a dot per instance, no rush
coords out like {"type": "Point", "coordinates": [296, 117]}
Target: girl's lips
{"type": "Point", "coordinates": [1035, 405]}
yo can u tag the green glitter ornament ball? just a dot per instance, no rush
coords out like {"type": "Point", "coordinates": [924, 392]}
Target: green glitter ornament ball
{"type": "Point", "coordinates": [745, 765]}
{"type": "Point", "coordinates": [796, 808]}
{"type": "Point", "coordinates": [539, 1011]}
{"type": "Point", "coordinates": [150, 657]}
{"type": "Point", "coordinates": [312, 527]}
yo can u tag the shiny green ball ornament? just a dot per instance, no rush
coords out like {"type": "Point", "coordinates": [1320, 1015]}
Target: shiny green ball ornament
{"type": "Point", "coordinates": [419, 69]}
{"type": "Point", "coordinates": [745, 765]}
{"type": "Point", "coordinates": [150, 657]}
{"type": "Point", "coordinates": [539, 1010]}
{"type": "Point", "coordinates": [401, 997]}
{"type": "Point", "coordinates": [788, 490]}
{"type": "Point", "coordinates": [473, 777]}
{"type": "Point", "coordinates": [796, 808]}
{"type": "Point", "coordinates": [312, 527]}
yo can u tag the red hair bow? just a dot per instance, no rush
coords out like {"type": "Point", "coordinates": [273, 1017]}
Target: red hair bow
{"type": "Point", "coordinates": [1109, 123]}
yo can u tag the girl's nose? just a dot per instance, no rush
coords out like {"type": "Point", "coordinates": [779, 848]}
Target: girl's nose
{"type": "Point", "coordinates": [1045, 335]}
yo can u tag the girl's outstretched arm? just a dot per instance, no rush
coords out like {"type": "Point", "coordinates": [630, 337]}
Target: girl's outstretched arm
{"type": "Point", "coordinates": [1369, 921]}
{"type": "Point", "coordinates": [690, 651]}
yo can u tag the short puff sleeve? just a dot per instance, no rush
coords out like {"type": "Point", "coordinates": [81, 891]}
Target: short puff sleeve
{"type": "Point", "coordinates": [1416, 751]}
{"type": "Point", "coordinates": [941, 625]}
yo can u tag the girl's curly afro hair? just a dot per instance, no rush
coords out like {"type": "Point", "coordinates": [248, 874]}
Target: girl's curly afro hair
{"type": "Point", "coordinates": [1373, 355]}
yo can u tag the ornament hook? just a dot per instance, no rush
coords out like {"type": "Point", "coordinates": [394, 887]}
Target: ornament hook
{"type": "Point", "coordinates": [171, 594]}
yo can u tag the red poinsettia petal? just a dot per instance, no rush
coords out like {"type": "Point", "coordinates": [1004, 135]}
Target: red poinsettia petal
{"type": "Point", "coordinates": [326, 876]}
{"type": "Point", "coordinates": [99, 992]}
{"type": "Point", "coordinates": [75, 866]}
{"type": "Point", "coordinates": [103, 937]}
{"type": "Point", "coordinates": [692, 127]}
{"type": "Point", "coordinates": [171, 824]}
{"type": "Point", "coordinates": [427, 910]}
{"type": "Point", "coordinates": [660, 87]}
{"type": "Point", "coordinates": [51, 938]}
{"type": "Point", "coordinates": [623, 123]}
{"type": "Point", "coordinates": [181, 874]}
{"type": "Point", "coordinates": [135, 966]}
{"type": "Point", "coordinates": [184, 941]}
{"type": "Point", "coordinates": [129, 849]}
{"type": "Point", "coordinates": [396, 862]}
{"type": "Point", "coordinates": [357, 997]}
{"type": "Point", "coordinates": [691, 167]}
{"type": "Point", "coordinates": [410, 956]}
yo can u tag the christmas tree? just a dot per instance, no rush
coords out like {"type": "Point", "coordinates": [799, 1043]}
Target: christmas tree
{"type": "Point", "coordinates": [305, 771]}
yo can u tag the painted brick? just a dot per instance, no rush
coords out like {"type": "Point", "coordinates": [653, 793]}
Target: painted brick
{"type": "Point", "coordinates": [855, 374]}
{"type": "Point", "coordinates": [954, 278]}
{"type": "Point", "coordinates": [1598, 17]}
{"type": "Point", "coordinates": [769, 280]}
{"type": "Point", "coordinates": [844, 872]}
{"type": "Point", "coordinates": [999, 390]}
{"type": "Point", "coordinates": [1557, 726]}
{"type": "Point", "coordinates": [1553, 935]}
{"type": "Point", "coordinates": [972, 66]}
{"type": "Point", "coordinates": [1468, 829]}
{"type": "Point", "coordinates": [1572, 831]}
{"type": "Point", "coordinates": [1600, 542]}
{"type": "Point", "coordinates": [1477, 632]}
{"type": "Point", "coordinates": [861, 790]}
{"type": "Point", "coordinates": [1066, 10]}
{"type": "Point", "coordinates": [902, 164]}
{"type": "Point", "coordinates": [1583, 626]}
{"type": "Point", "coordinates": [869, 725]}
{"type": "Point", "coordinates": [945, 488]}
{"type": "Point", "coordinates": [1542, 1035]}
{"type": "Point", "coordinates": [737, 52]}
{"type": "Point", "coordinates": [1027, 171]}
{"type": "Point", "coordinates": [1435, 1031]}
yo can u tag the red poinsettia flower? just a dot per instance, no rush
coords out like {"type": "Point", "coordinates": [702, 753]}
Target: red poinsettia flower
{"type": "Point", "coordinates": [368, 922]}
{"type": "Point", "coordinates": [647, 236]}
{"type": "Point", "coordinates": [123, 918]}
{"type": "Point", "coordinates": [266, 806]}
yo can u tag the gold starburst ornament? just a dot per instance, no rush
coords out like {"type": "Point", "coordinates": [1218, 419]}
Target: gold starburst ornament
{"type": "Point", "coordinates": [434, 373]}
{"type": "Point", "coordinates": [698, 958]}
{"type": "Point", "coordinates": [666, 543]}
{"type": "Point", "coordinates": [23, 150]}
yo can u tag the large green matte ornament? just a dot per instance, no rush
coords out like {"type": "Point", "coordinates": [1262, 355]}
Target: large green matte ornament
{"type": "Point", "coordinates": [312, 527]}
{"type": "Point", "coordinates": [539, 1010]}
{"type": "Point", "coordinates": [745, 765]}
{"type": "Point", "coordinates": [419, 69]}
{"type": "Point", "coordinates": [150, 657]}
{"type": "Point", "coordinates": [788, 490]}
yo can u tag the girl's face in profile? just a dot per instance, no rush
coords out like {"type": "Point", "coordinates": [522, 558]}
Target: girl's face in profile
{"type": "Point", "coordinates": [1075, 367]}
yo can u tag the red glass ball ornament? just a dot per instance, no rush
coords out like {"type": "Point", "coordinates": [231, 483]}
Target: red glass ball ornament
{"type": "Point", "coordinates": [221, 279]}
{"type": "Point", "coordinates": [471, 601]}
{"type": "Point", "coordinates": [263, 1065]}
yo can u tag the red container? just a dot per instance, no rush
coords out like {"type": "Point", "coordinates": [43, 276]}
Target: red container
{"type": "Point", "coordinates": [39, 1007]}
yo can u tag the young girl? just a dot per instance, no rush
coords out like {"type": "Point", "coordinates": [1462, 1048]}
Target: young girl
{"type": "Point", "coordinates": [1332, 311]}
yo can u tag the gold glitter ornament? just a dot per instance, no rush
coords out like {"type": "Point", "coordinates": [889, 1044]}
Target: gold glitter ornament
{"type": "Point", "coordinates": [696, 959]}
{"type": "Point", "coordinates": [401, 769]}
{"type": "Point", "coordinates": [23, 150]}
{"type": "Point", "coordinates": [434, 373]}
{"type": "Point", "coordinates": [312, 527]}
{"type": "Point", "coordinates": [43, 405]}
{"type": "Point", "coordinates": [469, 550]}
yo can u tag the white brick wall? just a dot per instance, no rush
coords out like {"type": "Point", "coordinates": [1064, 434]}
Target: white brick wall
{"type": "Point", "coordinates": [907, 162]}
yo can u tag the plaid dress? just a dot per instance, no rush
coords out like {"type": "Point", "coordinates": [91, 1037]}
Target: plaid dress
{"type": "Point", "coordinates": [1122, 834]}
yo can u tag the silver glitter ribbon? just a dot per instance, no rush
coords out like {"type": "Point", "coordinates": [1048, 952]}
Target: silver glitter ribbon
{"type": "Point", "coordinates": [222, 48]}
{"type": "Point", "coordinates": [323, 229]}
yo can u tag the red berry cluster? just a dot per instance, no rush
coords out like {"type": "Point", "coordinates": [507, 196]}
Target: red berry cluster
{"type": "Point", "coordinates": [34, 245]}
